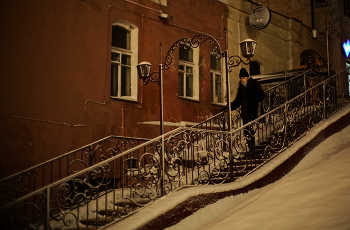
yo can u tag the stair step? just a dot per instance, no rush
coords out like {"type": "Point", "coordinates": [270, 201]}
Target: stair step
{"type": "Point", "coordinates": [83, 228]}
{"type": "Point", "coordinates": [111, 212]}
{"type": "Point", "coordinates": [101, 221]}
{"type": "Point", "coordinates": [136, 202]}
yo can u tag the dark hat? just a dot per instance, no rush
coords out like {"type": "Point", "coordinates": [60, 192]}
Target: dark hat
{"type": "Point", "coordinates": [243, 73]}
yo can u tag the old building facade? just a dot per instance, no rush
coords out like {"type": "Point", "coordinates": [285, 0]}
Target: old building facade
{"type": "Point", "coordinates": [68, 69]}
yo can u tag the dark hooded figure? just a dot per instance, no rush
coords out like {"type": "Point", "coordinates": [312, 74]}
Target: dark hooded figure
{"type": "Point", "coordinates": [248, 96]}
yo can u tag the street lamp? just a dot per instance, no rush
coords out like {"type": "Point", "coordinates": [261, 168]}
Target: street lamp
{"type": "Point", "coordinates": [247, 50]}
{"type": "Point", "coordinates": [144, 68]}
{"type": "Point", "coordinates": [144, 71]}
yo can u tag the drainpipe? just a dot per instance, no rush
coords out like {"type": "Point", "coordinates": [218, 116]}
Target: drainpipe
{"type": "Point", "coordinates": [312, 14]}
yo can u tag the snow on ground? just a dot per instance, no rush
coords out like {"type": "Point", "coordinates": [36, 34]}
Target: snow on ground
{"type": "Point", "coordinates": [314, 195]}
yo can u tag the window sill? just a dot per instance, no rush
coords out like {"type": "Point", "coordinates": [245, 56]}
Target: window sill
{"type": "Point", "coordinates": [130, 99]}
{"type": "Point", "coordinates": [190, 99]}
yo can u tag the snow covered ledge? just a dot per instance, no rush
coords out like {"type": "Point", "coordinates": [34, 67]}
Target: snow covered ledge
{"type": "Point", "coordinates": [268, 173]}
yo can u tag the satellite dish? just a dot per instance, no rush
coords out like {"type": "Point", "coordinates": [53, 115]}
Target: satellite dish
{"type": "Point", "coordinates": [259, 17]}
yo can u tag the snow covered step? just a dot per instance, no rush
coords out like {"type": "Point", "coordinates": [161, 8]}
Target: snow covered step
{"type": "Point", "coordinates": [135, 201]}
{"type": "Point", "coordinates": [101, 221]}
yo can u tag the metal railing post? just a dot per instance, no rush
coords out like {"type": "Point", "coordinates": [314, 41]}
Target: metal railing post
{"type": "Point", "coordinates": [285, 124]}
{"type": "Point", "coordinates": [324, 99]}
{"type": "Point", "coordinates": [47, 211]}
{"type": "Point", "coordinates": [305, 89]}
{"type": "Point", "coordinates": [162, 129]}
{"type": "Point", "coordinates": [229, 118]}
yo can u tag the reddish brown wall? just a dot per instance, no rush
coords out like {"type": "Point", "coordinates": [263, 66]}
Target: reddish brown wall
{"type": "Point", "coordinates": [55, 66]}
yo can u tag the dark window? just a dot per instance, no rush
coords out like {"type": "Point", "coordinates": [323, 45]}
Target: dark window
{"type": "Point", "coordinates": [216, 79]}
{"type": "Point", "coordinates": [254, 68]}
{"type": "Point", "coordinates": [120, 62]}
{"type": "Point", "coordinates": [186, 78]}
{"type": "Point", "coordinates": [120, 37]}
{"type": "Point", "coordinates": [347, 8]}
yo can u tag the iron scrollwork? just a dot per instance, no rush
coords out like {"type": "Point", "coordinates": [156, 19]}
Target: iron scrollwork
{"type": "Point", "coordinates": [187, 43]}
{"type": "Point", "coordinates": [236, 60]}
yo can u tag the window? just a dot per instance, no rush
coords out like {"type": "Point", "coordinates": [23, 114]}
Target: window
{"type": "Point", "coordinates": [123, 59]}
{"type": "Point", "coordinates": [347, 8]}
{"type": "Point", "coordinates": [216, 80]}
{"type": "Point", "coordinates": [188, 73]}
{"type": "Point", "coordinates": [254, 68]}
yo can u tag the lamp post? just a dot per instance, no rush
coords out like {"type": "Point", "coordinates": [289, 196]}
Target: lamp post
{"type": "Point", "coordinates": [144, 71]}
{"type": "Point", "coordinates": [144, 68]}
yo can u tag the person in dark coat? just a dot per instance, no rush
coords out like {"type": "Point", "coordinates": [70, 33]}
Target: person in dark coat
{"type": "Point", "coordinates": [248, 96]}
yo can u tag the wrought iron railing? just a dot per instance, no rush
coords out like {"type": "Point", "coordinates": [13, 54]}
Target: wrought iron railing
{"type": "Point", "coordinates": [274, 97]}
{"type": "Point", "coordinates": [120, 184]}
{"type": "Point", "coordinates": [39, 176]}
{"type": "Point", "coordinates": [281, 93]}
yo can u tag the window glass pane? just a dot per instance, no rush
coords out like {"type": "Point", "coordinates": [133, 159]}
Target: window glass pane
{"type": "Point", "coordinates": [115, 57]}
{"type": "Point", "coordinates": [126, 59]}
{"type": "Point", "coordinates": [218, 88]}
{"type": "Point", "coordinates": [125, 81]}
{"type": "Point", "coordinates": [189, 69]}
{"type": "Point", "coordinates": [186, 54]}
{"type": "Point", "coordinates": [215, 63]}
{"type": "Point", "coordinates": [114, 79]}
{"type": "Point", "coordinates": [181, 84]}
{"type": "Point", "coordinates": [120, 37]}
{"type": "Point", "coordinates": [181, 67]}
{"type": "Point", "coordinates": [212, 91]}
{"type": "Point", "coordinates": [189, 85]}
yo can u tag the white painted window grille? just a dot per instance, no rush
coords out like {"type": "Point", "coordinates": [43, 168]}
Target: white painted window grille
{"type": "Point", "coordinates": [188, 73]}
{"type": "Point", "coordinates": [216, 80]}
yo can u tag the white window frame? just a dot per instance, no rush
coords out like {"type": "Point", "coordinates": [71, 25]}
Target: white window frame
{"type": "Point", "coordinates": [195, 83]}
{"type": "Point", "coordinates": [213, 73]}
{"type": "Point", "coordinates": [133, 52]}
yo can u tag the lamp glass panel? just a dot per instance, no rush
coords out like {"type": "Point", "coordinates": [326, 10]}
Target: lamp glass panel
{"type": "Point", "coordinates": [145, 70]}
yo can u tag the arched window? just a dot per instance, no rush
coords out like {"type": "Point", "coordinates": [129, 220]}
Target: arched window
{"type": "Point", "coordinates": [310, 58]}
{"type": "Point", "coordinates": [124, 47]}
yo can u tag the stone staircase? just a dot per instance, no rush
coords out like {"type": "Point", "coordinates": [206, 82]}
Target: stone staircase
{"type": "Point", "coordinates": [192, 204]}
{"type": "Point", "coordinates": [243, 166]}
{"type": "Point", "coordinates": [285, 124]}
